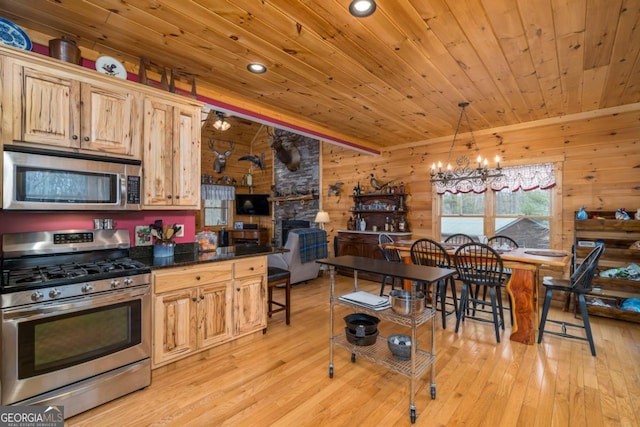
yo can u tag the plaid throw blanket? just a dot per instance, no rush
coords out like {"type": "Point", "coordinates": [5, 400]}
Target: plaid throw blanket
{"type": "Point", "coordinates": [313, 243]}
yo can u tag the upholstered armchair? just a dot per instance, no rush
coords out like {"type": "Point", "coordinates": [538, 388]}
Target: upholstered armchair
{"type": "Point", "coordinates": [305, 246]}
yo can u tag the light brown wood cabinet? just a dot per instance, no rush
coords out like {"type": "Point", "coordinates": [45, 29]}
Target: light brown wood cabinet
{"type": "Point", "coordinates": [192, 310]}
{"type": "Point", "coordinates": [171, 154]}
{"type": "Point", "coordinates": [250, 296]}
{"type": "Point", "coordinates": [198, 307]}
{"type": "Point", "coordinates": [70, 112]}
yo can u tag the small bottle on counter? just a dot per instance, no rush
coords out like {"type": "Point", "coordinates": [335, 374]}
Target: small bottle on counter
{"type": "Point", "coordinates": [387, 224]}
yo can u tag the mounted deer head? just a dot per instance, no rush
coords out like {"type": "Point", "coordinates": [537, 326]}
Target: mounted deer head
{"type": "Point", "coordinates": [221, 161]}
{"type": "Point", "coordinates": [289, 155]}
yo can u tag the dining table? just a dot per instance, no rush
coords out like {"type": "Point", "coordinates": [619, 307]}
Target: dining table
{"type": "Point", "coordinates": [523, 283]}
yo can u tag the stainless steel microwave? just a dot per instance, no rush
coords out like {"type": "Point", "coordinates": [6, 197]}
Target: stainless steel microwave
{"type": "Point", "coordinates": [35, 179]}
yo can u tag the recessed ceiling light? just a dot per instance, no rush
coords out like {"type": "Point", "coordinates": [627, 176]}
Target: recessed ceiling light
{"type": "Point", "coordinates": [362, 8]}
{"type": "Point", "coordinates": [257, 68]}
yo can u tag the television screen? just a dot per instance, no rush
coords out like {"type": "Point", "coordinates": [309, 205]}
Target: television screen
{"type": "Point", "coordinates": [253, 204]}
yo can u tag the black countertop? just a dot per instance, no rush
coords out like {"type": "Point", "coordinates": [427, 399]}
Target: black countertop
{"type": "Point", "coordinates": [187, 254]}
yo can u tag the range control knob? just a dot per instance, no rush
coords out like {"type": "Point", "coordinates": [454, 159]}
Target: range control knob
{"type": "Point", "coordinates": [37, 296]}
{"type": "Point", "coordinates": [54, 293]}
{"type": "Point", "coordinates": [86, 288]}
{"type": "Point", "coordinates": [115, 283]}
{"type": "Point", "coordinates": [128, 281]}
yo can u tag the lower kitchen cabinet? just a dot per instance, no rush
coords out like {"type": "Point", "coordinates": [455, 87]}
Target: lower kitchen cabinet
{"type": "Point", "coordinates": [173, 332]}
{"type": "Point", "coordinates": [250, 297]}
{"type": "Point", "coordinates": [198, 307]}
{"type": "Point", "coordinates": [249, 305]}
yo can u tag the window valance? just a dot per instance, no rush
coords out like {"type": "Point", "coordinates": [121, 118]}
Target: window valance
{"type": "Point", "coordinates": [218, 192]}
{"type": "Point", "coordinates": [516, 178]}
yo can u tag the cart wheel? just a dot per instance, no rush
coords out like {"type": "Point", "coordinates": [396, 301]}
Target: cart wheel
{"type": "Point", "coordinates": [433, 391]}
{"type": "Point", "coordinates": [330, 371]}
{"type": "Point", "coordinates": [353, 358]}
{"type": "Point", "coordinates": [413, 416]}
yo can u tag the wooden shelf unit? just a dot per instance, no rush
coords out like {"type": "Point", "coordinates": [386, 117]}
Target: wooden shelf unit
{"type": "Point", "coordinates": [618, 236]}
{"type": "Point", "coordinates": [258, 236]}
{"type": "Point", "coordinates": [376, 208]}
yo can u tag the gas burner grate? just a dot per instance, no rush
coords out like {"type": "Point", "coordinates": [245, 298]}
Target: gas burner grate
{"type": "Point", "coordinates": [72, 271]}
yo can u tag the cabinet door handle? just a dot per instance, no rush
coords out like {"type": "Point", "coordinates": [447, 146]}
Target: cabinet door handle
{"type": "Point", "coordinates": [201, 296]}
{"type": "Point", "coordinates": [197, 277]}
{"type": "Point", "coordinates": [251, 268]}
{"type": "Point", "coordinates": [86, 138]}
{"type": "Point", "coordinates": [177, 197]}
{"type": "Point", "coordinates": [194, 299]}
{"type": "Point", "coordinates": [169, 196]}
{"type": "Point", "coordinates": [74, 137]}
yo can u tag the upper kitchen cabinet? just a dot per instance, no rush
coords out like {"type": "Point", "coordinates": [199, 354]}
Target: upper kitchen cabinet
{"type": "Point", "coordinates": [171, 154]}
{"type": "Point", "coordinates": [70, 112]}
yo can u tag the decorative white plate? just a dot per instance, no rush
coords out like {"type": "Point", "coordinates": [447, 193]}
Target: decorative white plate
{"type": "Point", "coordinates": [112, 67]}
{"type": "Point", "coordinates": [12, 35]}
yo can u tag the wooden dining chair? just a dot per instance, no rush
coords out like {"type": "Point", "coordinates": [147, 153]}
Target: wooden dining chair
{"type": "Point", "coordinates": [391, 255]}
{"type": "Point", "coordinates": [459, 238]}
{"type": "Point", "coordinates": [500, 241]}
{"type": "Point", "coordinates": [579, 284]}
{"type": "Point", "coordinates": [479, 265]}
{"type": "Point", "coordinates": [431, 253]}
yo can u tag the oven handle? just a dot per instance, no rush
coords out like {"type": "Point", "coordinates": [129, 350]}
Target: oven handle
{"type": "Point", "coordinates": [53, 308]}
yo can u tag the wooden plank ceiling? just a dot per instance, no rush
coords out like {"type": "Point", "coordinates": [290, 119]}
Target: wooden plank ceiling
{"type": "Point", "coordinates": [393, 78]}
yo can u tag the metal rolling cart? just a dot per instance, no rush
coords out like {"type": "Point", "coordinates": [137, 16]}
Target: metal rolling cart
{"type": "Point", "coordinates": [378, 352]}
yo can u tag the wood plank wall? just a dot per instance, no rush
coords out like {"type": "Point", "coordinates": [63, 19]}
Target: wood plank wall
{"type": "Point", "coordinates": [249, 138]}
{"type": "Point", "coordinates": [601, 165]}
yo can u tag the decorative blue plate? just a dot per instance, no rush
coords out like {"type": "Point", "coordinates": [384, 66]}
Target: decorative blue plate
{"type": "Point", "coordinates": [12, 35]}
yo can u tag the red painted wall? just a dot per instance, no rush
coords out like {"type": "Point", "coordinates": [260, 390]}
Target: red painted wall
{"type": "Point", "coordinates": [17, 222]}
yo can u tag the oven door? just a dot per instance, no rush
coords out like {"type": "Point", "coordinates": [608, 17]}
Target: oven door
{"type": "Point", "coordinates": [50, 345]}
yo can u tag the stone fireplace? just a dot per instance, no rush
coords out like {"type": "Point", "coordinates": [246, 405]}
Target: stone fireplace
{"type": "Point", "coordinates": [291, 184]}
{"type": "Point", "coordinates": [291, 224]}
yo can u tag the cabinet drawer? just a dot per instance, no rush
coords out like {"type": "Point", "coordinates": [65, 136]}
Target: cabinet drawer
{"type": "Point", "coordinates": [183, 278]}
{"type": "Point", "coordinates": [250, 267]}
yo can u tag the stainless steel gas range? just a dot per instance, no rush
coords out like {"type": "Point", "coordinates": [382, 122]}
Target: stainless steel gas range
{"type": "Point", "coordinates": [76, 313]}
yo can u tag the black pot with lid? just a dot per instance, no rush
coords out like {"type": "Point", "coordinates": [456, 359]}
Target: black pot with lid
{"type": "Point", "coordinates": [361, 329]}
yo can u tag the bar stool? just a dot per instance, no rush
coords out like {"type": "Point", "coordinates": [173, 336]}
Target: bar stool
{"type": "Point", "coordinates": [279, 276]}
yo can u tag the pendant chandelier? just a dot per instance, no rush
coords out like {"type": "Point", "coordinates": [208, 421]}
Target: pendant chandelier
{"type": "Point", "coordinates": [464, 172]}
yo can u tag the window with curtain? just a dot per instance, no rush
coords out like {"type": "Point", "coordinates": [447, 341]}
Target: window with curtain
{"type": "Point", "coordinates": [518, 205]}
{"type": "Point", "coordinates": [216, 201]}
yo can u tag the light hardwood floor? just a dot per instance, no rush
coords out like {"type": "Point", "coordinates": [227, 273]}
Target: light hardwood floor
{"type": "Point", "coordinates": [281, 379]}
